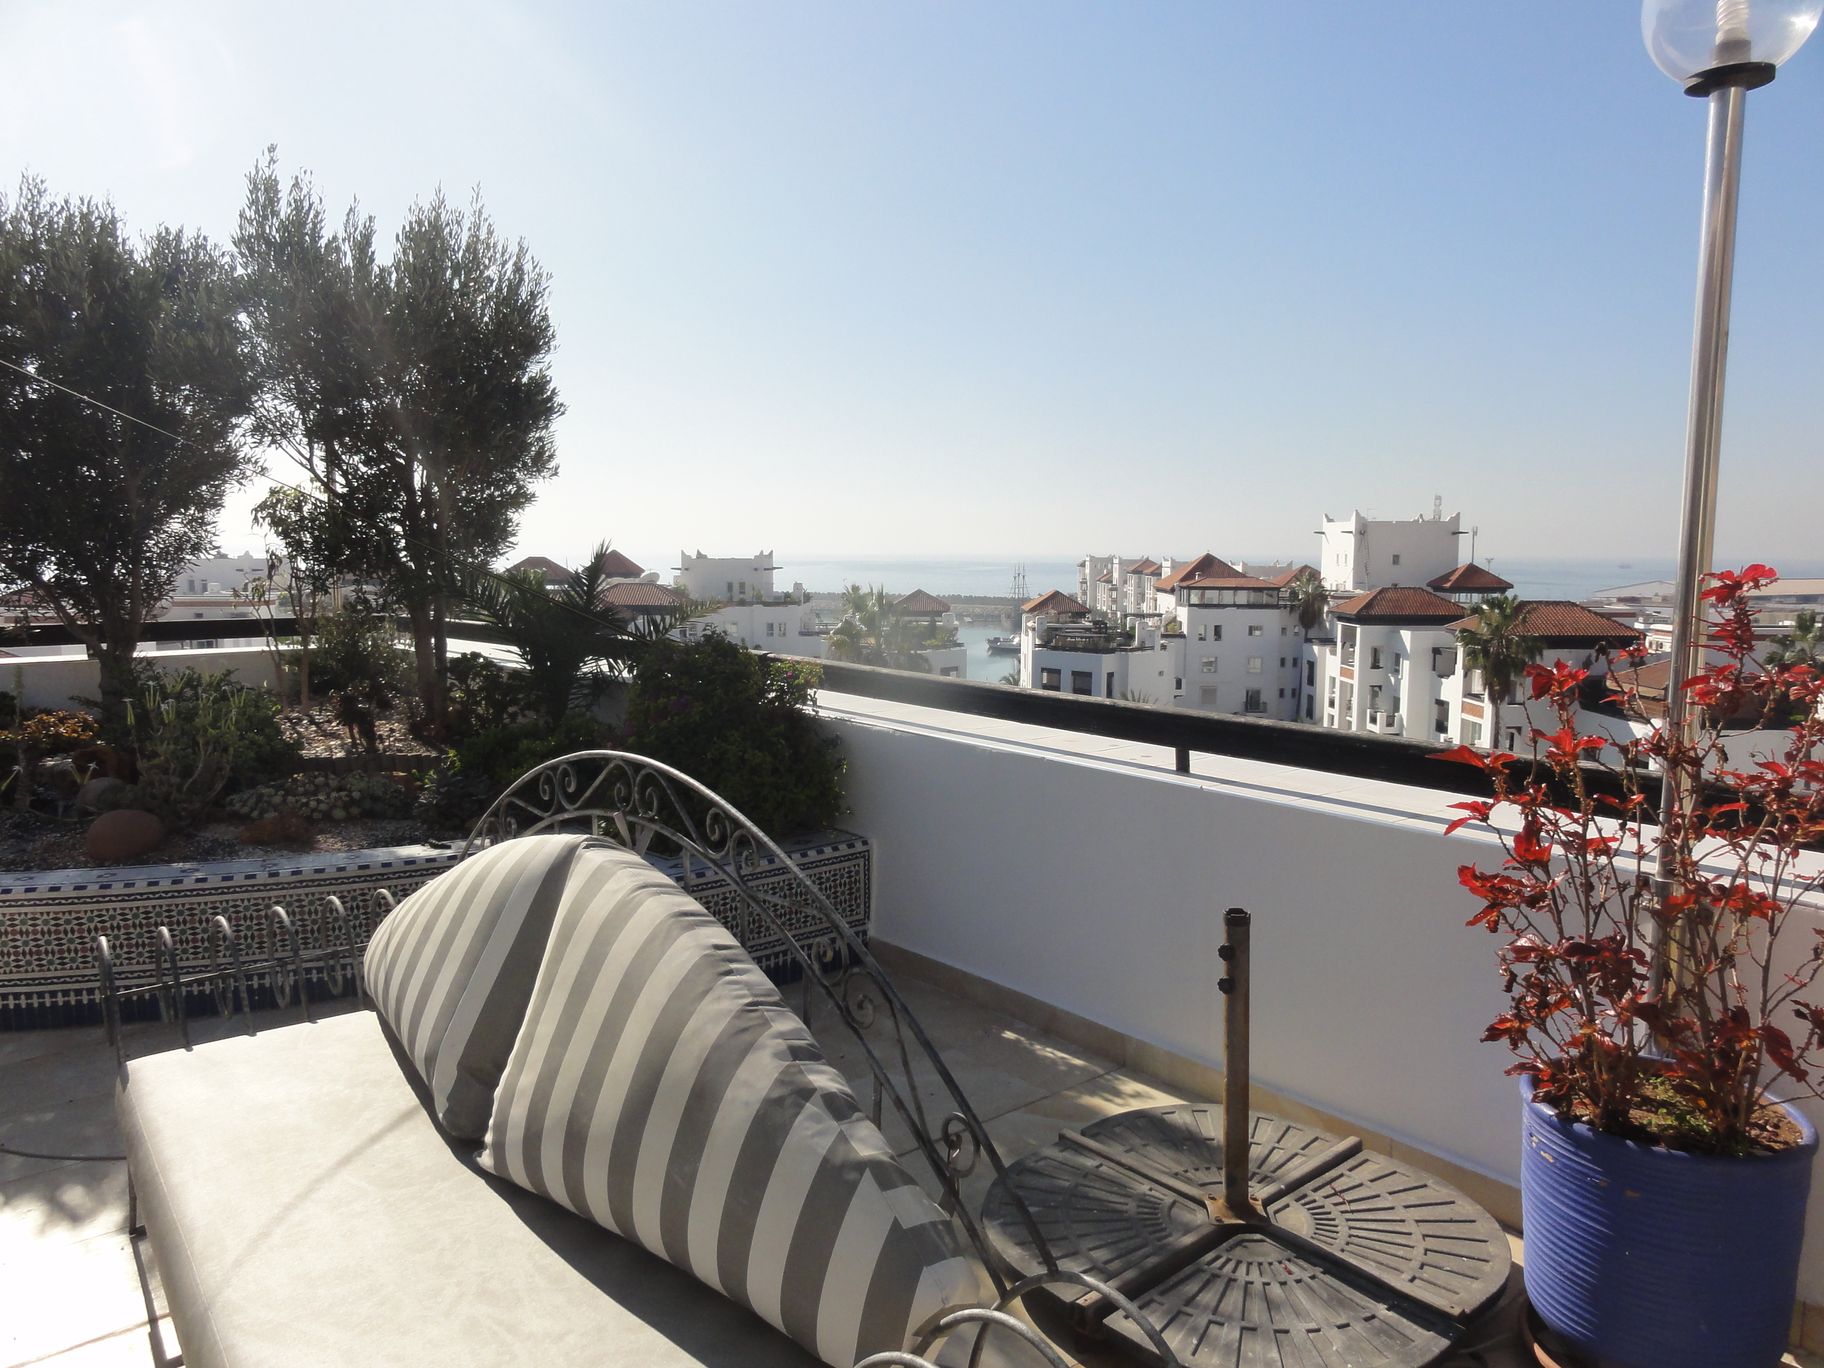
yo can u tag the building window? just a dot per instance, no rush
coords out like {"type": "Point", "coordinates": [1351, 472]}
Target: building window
{"type": "Point", "coordinates": [1396, 557]}
{"type": "Point", "coordinates": [1048, 679]}
{"type": "Point", "coordinates": [1108, 685]}
{"type": "Point", "coordinates": [1080, 682]}
{"type": "Point", "coordinates": [1252, 702]}
{"type": "Point", "coordinates": [1374, 657]}
{"type": "Point", "coordinates": [1209, 664]}
{"type": "Point", "coordinates": [1216, 632]}
{"type": "Point", "coordinates": [948, 672]}
{"type": "Point", "coordinates": [731, 588]}
{"type": "Point", "coordinates": [1440, 718]}
{"type": "Point", "coordinates": [769, 629]}
{"type": "Point", "coordinates": [1311, 673]}
{"type": "Point", "coordinates": [1282, 662]}
{"type": "Point", "coordinates": [1282, 693]}
{"type": "Point", "coordinates": [1256, 630]}
{"type": "Point", "coordinates": [1310, 707]}
{"type": "Point", "coordinates": [1253, 664]}
{"type": "Point", "coordinates": [1200, 635]}
{"type": "Point", "coordinates": [1177, 683]}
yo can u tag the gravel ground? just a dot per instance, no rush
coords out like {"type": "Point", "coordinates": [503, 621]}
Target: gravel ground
{"type": "Point", "coordinates": [318, 733]}
{"type": "Point", "coordinates": [30, 841]}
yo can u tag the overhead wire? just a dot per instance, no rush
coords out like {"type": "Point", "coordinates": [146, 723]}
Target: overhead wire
{"type": "Point", "coordinates": [488, 571]}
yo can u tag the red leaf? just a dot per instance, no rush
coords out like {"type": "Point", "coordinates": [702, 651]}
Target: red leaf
{"type": "Point", "coordinates": [1462, 755]}
{"type": "Point", "coordinates": [1478, 812]}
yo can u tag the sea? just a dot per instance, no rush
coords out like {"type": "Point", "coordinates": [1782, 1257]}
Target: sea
{"type": "Point", "coordinates": [1538, 578]}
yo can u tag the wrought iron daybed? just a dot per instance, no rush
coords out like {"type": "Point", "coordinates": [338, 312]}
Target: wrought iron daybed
{"type": "Point", "coordinates": [655, 811]}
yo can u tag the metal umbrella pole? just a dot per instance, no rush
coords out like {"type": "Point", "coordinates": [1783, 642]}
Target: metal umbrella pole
{"type": "Point", "coordinates": [1703, 440]}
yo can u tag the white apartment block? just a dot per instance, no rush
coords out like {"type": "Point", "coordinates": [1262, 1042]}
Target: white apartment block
{"type": "Point", "coordinates": [726, 579]}
{"type": "Point", "coordinates": [1395, 667]}
{"type": "Point", "coordinates": [1364, 553]}
{"type": "Point", "coordinates": [1063, 649]}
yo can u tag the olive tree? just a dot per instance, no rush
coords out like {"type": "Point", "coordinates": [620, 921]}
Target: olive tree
{"type": "Point", "coordinates": [413, 391]}
{"type": "Point", "coordinates": [122, 408]}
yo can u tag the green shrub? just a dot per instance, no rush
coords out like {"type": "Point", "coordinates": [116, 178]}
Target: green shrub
{"type": "Point", "coordinates": [482, 695]}
{"type": "Point", "coordinates": [451, 800]}
{"type": "Point", "coordinates": [742, 726]}
{"type": "Point", "coordinates": [359, 667]}
{"type": "Point", "coordinates": [501, 754]}
{"type": "Point", "coordinates": [195, 734]}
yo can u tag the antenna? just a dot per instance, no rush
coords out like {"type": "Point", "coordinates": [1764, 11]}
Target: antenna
{"type": "Point", "coordinates": [1472, 542]}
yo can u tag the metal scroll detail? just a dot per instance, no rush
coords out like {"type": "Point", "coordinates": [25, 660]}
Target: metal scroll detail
{"type": "Point", "coordinates": [648, 807]}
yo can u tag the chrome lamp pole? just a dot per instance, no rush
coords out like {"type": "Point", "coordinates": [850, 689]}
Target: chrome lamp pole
{"type": "Point", "coordinates": [1718, 50]}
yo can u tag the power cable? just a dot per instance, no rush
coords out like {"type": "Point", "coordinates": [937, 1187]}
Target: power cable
{"type": "Point", "coordinates": [426, 547]}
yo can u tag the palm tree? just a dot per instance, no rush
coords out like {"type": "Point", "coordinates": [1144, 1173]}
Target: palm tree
{"type": "Point", "coordinates": [1310, 603]}
{"type": "Point", "coordinates": [1308, 599]}
{"type": "Point", "coordinates": [873, 632]}
{"type": "Point", "coordinates": [567, 638]}
{"type": "Point", "coordinates": [1500, 650]}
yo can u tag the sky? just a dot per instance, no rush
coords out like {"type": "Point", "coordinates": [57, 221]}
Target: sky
{"type": "Point", "coordinates": [1031, 278]}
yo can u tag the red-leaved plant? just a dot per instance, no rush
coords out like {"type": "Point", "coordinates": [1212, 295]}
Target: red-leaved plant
{"type": "Point", "coordinates": [1687, 1063]}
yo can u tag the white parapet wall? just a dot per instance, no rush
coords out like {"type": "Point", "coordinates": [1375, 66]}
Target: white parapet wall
{"type": "Point", "coordinates": [59, 681]}
{"type": "Point", "coordinates": [1370, 994]}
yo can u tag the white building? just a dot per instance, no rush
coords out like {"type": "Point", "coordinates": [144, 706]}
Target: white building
{"type": "Point", "coordinates": [1388, 668]}
{"type": "Point", "coordinates": [726, 579]}
{"type": "Point", "coordinates": [1241, 649]}
{"type": "Point", "coordinates": [1395, 667]}
{"type": "Point", "coordinates": [1364, 553]}
{"type": "Point", "coordinates": [1063, 649]}
{"type": "Point", "coordinates": [1568, 633]}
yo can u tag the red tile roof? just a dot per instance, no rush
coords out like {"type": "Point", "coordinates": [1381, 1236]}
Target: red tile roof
{"type": "Point", "coordinates": [1228, 582]}
{"type": "Point", "coordinates": [1107, 577]}
{"type": "Point", "coordinates": [1144, 567]}
{"type": "Point", "coordinates": [1560, 622]}
{"type": "Point", "coordinates": [1284, 580]}
{"type": "Point", "coordinates": [1399, 604]}
{"type": "Point", "coordinates": [543, 566]}
{"type": "Point", "coordinates": [1057, 601]}
{"type": "Point", "coordinates": [1470, 578]}
{"type": "Point", "coordinates": [634, 595]}
{"type": "Point", "coordinates": [1204, 567]}
{"type": "Point", "coordinates": [920, 604]}
{"type": "Point", "coordinates": [616, 566]}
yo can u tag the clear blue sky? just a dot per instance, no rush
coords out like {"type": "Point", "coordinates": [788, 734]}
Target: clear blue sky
{"type": "Point", "coordinates": [1033, 278]}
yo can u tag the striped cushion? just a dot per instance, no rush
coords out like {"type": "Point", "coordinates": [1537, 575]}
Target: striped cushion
{"type": "Point", "coordinates": [662, 1088]}
{"type": "Point", "coordinates": [451, 969]}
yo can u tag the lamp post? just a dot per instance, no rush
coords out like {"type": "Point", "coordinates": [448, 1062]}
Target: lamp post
{"type": "Point", "coordinates": [1718, 50]}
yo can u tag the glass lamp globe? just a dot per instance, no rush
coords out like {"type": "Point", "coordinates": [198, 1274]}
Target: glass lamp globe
{"type": "Point", "coordinates": [1689, 37]}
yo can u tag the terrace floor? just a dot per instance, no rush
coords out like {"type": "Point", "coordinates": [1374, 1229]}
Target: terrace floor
{"type": "Point", "coordinates": [69, 1291]}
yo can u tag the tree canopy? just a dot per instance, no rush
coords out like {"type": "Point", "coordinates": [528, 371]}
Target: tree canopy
{"type": "Point", "coordinates": [415, 390]}
{"type": "Point", "coordinates": [104, 499]}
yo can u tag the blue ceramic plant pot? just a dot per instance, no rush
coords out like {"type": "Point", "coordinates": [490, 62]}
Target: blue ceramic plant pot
{"type": "Point", "coordinates": [1648, 1258]}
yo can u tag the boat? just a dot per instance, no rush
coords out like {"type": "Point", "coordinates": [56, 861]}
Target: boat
{"type": "Point", "coordinates": [1003, 645]}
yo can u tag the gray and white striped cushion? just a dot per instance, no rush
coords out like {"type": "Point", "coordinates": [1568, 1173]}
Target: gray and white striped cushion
{"type": "Point", "coordinates": [451, 969]}
{"type": "Point", "coordinates": [662, 1088]}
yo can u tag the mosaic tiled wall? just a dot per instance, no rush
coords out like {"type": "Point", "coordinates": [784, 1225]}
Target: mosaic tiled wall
{"type": "Point", "coordinates": [839, 864]}
{"type": "Point", "coordinates": [49, 920]}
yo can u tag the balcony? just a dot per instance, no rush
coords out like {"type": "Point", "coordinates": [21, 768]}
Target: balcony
{"type": "Point", "coordinates": [1051, 1011]}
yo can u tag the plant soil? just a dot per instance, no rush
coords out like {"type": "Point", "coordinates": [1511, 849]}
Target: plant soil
{"type": "Point", "coordinates": [1662, 1117]}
